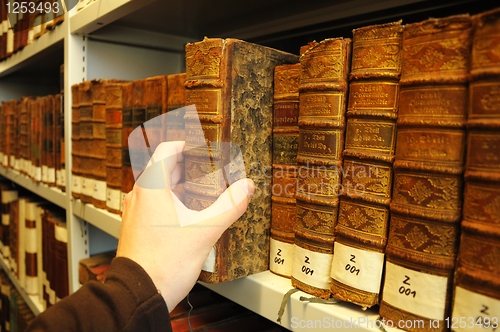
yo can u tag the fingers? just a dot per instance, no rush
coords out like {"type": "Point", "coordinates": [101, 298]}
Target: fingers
{"type": "Point", "coordinates": [230, 205]}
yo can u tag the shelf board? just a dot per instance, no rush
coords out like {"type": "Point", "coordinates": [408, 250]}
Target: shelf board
{"type": "Point", "coordinates": [102, 12]}
{"type": "Point", "coordinates": [110, 223]}
{"type": "Point", "coordinates": [263, 293]}
{"type": "Point", "coordinates": [33, 301]}
{"type": "Point", "coordinates": [40, 51]}
{"type": "Point", "coordinates": [52, 194]}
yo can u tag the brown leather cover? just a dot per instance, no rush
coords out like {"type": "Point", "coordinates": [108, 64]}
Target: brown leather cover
{"type": "Point", "coordinates": [94, 267]}
{"type": "Point", "coordinates": [477, 270]}
{"type": "Point", "coordinates": [87, 149]}
{"type": "Point", "coordinates": [114, 107]}
{"type": "Point", "coordinates": [285, 146]}
{"type": "Point", "coordinates": [230, 82]}
{"type": "Point", "coordinates": [36, 139]}
{"type": "Point", "coordinates": [427, 192]}
{"type": "Point", "coordinates": [176, 100]}
{"type": "Point", "coordinates": [49, 139]}
{"type": "Point", "coordinates": [24, 131]}
{"type": "Point", "coordinates": [369, 152]}
{"type": "Point", "coordinates": [155, 101]}
{"type": "Point", "coordinates": [76, 159]}
{"type": "Point", "coordinates": [98, 155]}
{"type": "Point", "coordinates": [134, 114]}
{"type": "Point", "coordinates": [60, 161]}
{"type": "Point", "coordinates": [323, 91]}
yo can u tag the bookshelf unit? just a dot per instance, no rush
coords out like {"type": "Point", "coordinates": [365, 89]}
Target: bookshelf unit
{"type": "Point", "coordinates": [132, 39]}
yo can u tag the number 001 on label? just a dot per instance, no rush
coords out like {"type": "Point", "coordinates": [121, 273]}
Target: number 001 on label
{"type": "Point", "coordinates": [357, 268]}
{"type": "Point", "coordinates": [419, 293]}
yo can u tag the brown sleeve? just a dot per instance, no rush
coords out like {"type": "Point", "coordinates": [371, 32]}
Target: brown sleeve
{"type": "Point", "coordinates": [127, 301]}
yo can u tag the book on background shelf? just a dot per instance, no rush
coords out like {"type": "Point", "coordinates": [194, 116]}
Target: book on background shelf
{"type": "Point", "coordinates": [363, 221]}
{"type": "Point", "coordinates": [48, 152]}
{"type": "Point", "coordinates": [322, 105]}
{"type": "Point", "coordinates": [86, 148]}
{"type": "Point", "coordinates": [229, 81]}
{"type": "Point", "coordinates": [477, 277]}
{"type": "Point", "coordinates": [95, 267]}
{"type": "Point", "coordinates": [285, 169]}
{"type": "Point", "coordinates": [60, 161]}
{"type": "Point", "coordinates": [98, 153]}
{"type": "Point", "coordinates": [114, 108]}
{"type": "Point", "coordinates": [176, 100]}
{"type": "Point", "coordinates": [133, 116]}
{"type": "Point", "coordinates": [428, 172]}
{"type": "Point", "coordinates": [76, 158]}
{"type": "Point", "coordinates": [9, 196]}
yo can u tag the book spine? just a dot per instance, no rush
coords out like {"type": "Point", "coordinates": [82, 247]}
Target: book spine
{"type": "Point", "coordinates": [134, 162]}
{"type": "Point", "coordinates": [31, 249]}
{"type": "Point", "coordinates": [128, 105]}
{"type": "Point", "coordinates": [76, 159]}
{"type": "Point", "coordinates": [221, 75]}
{"type": "Point", "coordinates": [98, 155]}
{"type": "Point", "coordinates": [363, 220]}
{"type": "Point", "coordinates": [114, 107]}
{"type": "Point", "coordinates": [86, 129]}
{"type": "Point", "coordinates": [284, 172]}
{"type": "Point", "coordinates": [322, 105]}
{"type": "Point", "coordinates": [428, 172]}
{"type": "Point", "coordinates": [60, 162]}
{"type": "Point", "coordinates": [477, 277]}
{"type": "Point", "coordinates": [176, 100]}
{"type": "Point", "coordinates": [155, 102]}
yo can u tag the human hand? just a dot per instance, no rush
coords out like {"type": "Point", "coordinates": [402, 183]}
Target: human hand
{"type": "Point", "coordinates": [170, 241]}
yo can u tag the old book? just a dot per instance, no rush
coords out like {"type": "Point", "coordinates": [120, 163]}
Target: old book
{"type": "Point", "coordinates": [134, 115]}
{"type": "Point", "coordinates": [98, 156]}
{"type": "Point", "coordinates": [36, 140]}
{"type": "Point", "coordinates": [284, 167]}
{"type": "Point", "coordinates": [76, 159]}
{"type": "Point", "coordinates": [155, 104]}
{"type": "Point", "coordinates": [60, 281]}
{"type": "Point", "coordinates": [14, 136]}
{"type": "Point", "coordinates": [29, 261]}
{"type": "Point", "coordinates": [94, 267]}
{"type": "Point", "coordinates": [363, 221]}
{"type": "Point", "coordinates": [477, 277]}
{"type": "Point", "coordinates": [114, 108]}
{"type": "Point", "coordinates": [428, 172]}
{"type": "Point", "coordinates": [229, 81]}
{"type": "Point", "coordinates": [60, 161]}
{"type": "Point", "coordinates": [8, 115]}
{"type": "Point", "coordinates": [85, 130]}
{"type": "Point", "coordinates": [14, 248]}
{"type": "Point", "coordinates": [48, 140]}
{"type": "Point", "coordinates": [24, 134]}
{"type": "Point", "coordinates": [176, 100]}
{"type": "Point", "coordinates": [322, 97]}
{"type": "Point", "coordinates": [9, 196]}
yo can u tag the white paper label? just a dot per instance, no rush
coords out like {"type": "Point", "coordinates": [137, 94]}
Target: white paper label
{"type": "Point", "coordinates": [209, 264]}
{"type": "Point", "coordinates": [5, 160]}
{"type": "Point", "coordinates": [44, 173]}
{"type": "Point", "coordinates": [312, 268]}
{"type": "Point", "coordinates": [122, 200]}
{"type": "Point", "coordinates": [357, 268]}
{"type": "Point", "coordinates": [99, 190]}
{"type": "Point", "coordinates": [31, 241]}
{"type": "Point", "coordinates": [113, 199]}
{"type": "Point", "coordinates": [76, 184]}
{"type": "Point", "coordinates": [62, 178]}
{"type": "Point", "coordinates": [87, 187]}
{"type": "Point", "coordinates": [51, 175]}
{"type": "Point", "coordinates": [281, 257]}
{"type": "Point", "coordinates": [37, 174]}
{"type": "Point", "coordinates": [419, 293]}
{"type": "Point", "coordinates": [474, 312]}
{"type": "Point", "coordinates": [61, 233]}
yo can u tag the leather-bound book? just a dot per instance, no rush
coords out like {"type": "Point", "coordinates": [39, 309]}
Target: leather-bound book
{"type": "Point", "coordinates": [284, 172]}
{"type": "Point", "coordinates": [60, 260]}
{"type": "Point", "coordinates": [14, 140]}
{"type": "Point", "coordinates": [95, 267]}
{"type": "Point", "coordinates": [76, 159]}
{"type": "Point", "coordinates": [363, 222]}
{"type": "Point", "coordinates": [60, 161]}
{"type": "Point", "coordinates": [87, 149]}
{"type": "Point", "coordinates": [428, 172]}
{"type": "Point", "coordinates": [31, 246]}
{"type": "Point", "coordinates": [8, 196]}
{"type": "Point", "coordinates": [477, 277]}
{"type": "Point", "coordinates": [8, 115]}
{"type": "Point", "coordinates": [48, 140]}
{"type": "Point", "coordinates": [133, 116]}
{"type": "Point", "coordinates": [98, 154]}
{"type": "Point", "coordinates": [114, 107]}
{"type": "Point", "coordinates": [24, 132]}
{"type": "Point", "coordinates": [229, 81]}
{"type": "Point", "coordinates": [36, 139]}
{"type": "Point", "coordinates": [155, 103]}
{"type": "Point", "coordinates": [13, 258]}
{"type": "Point", "coordinates": [322, 97]}
{"type": "Point", "coordinates": [176, 100]}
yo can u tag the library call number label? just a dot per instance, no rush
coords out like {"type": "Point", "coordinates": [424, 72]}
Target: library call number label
{"type": "Point", "coordinates": [33, 7]}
